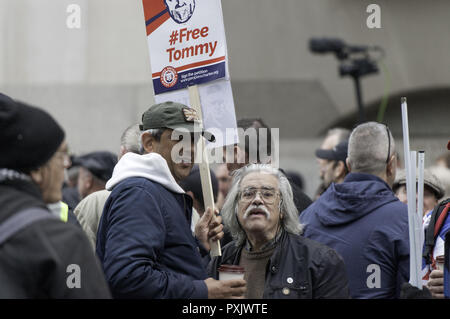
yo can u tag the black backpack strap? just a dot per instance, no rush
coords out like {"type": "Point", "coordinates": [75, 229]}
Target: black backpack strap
{"type": "Point", "coordinates": [22, 219]}
{"type": "Point", "coordinates": [430, 239]}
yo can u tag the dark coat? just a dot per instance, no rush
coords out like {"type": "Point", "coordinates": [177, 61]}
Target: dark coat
{"type": "Point", "coordinates": [298, 269]}
{"type": "Point", "coordinates": [145, 244]}
{"type": "Point", "coordinates": [34, 262]}
{"type": "Point", "coordinates": [368, 226]}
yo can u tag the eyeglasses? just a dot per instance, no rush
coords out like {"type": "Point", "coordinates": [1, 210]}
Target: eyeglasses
{"type": "Point", "coordinates": [64, 157]}
{"type": "Point", "coordinates": [268, 195]}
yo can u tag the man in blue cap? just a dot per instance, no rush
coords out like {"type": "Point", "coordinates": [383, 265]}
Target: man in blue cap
{"type": "Point", "coordinates": [333, 168]}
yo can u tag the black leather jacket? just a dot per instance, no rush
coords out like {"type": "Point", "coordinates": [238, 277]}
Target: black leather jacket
{"type": "Point", "coordinates": [298, 269]}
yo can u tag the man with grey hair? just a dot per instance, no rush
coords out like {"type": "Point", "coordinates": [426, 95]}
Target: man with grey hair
{"type": "Point", "coordinates": [89, 210]}
{"type": "Point", "coordinates": [261, 215]}
{"type": "Point", "coordinates": [129, 141]}
{"type": "Point", "coordinates": [363, 220]}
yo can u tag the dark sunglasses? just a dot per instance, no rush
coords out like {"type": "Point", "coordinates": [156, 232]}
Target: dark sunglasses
{"type": "Point", "coordinates": [389, 144]}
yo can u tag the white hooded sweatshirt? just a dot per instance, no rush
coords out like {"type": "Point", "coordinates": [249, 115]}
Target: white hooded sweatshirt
{"type": "Point", "coordinates": [151, 166]}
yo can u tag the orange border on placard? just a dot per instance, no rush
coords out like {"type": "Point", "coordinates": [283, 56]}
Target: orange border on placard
{"type": "Point", "coordinates": [192, 65]}
{"type": "Point", "coordinates": [155, 24]}
{"type": "Point", "coordinates": [151, 9]}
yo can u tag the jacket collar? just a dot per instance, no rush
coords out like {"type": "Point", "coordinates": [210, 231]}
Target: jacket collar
{"type": "Point", "coordinates": [19, 181]}
{"type": "Point", "coordinates": [358, 177]}
{"type": "Point", "coordinates": [151, 166]}
{"type": "Point", "coordinates": [272, 243]}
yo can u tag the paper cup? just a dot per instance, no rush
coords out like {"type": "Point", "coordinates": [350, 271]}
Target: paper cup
{"type": "Point", "coordinates": [230, 272]}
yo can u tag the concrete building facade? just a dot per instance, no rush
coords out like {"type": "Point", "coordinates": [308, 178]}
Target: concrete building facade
{"type": "Point", "coordinates": [96, 80]}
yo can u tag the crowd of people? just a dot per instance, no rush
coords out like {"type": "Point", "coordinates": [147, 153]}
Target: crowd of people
{"type": "Point", "coordinates": [134, 224]}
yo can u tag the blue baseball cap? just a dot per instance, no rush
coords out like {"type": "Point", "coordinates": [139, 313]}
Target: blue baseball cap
{"type": "Point", "coordinates": [337, 153]}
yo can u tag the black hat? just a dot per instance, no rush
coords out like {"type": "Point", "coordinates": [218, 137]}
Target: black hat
{"type": "Point", "coordinates": [100, 164]}
{"type": "Point", "coordinates": [29, 136]}
{"type": "Point", "coordinates": [337, 153]}
{"type": "Point", "coordinates": [174, 116]}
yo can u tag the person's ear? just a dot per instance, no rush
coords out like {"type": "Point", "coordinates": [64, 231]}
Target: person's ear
{"type": "Point", "coordinates": [122, 151]}
{"type": "Point", "coordinates": [340, 170]}
{"type": "Point", "coordinates": [348, 164]}
{"type": "Point", "coordinates": [148, 142]}
{"type": "Point", "coordinates": [89, 180]}
{"type": "Point", "coordinates": [281, 212]}
{"type": "Point", "coordinates": [37, 176]}
{"type": "Point", "coordinates": [391, 167]}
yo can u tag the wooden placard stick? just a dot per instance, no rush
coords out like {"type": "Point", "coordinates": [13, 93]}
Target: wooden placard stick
{"type": "Point", "coordinates": [205, 176]}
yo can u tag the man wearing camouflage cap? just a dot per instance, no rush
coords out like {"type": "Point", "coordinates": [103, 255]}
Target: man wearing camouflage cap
{"type": "Point", "coordinates": [144, 239]}
{"type": "Point", "coordinates": [436, 226]}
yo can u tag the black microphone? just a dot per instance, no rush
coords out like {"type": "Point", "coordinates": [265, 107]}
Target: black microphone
{"type": "Point", "coordinates": [326, 45]}
{"type": "Point", "coordinates": [334, 45]}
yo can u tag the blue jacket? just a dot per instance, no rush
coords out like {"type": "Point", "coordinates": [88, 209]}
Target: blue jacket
{"type": "Point", "coordinates": [144, 240]}
{"type": "Point", "coordinates": [368, 226]}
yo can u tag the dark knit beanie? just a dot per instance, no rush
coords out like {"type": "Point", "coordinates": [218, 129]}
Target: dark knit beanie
{"type": "Point", "coordinates": [29, 136]}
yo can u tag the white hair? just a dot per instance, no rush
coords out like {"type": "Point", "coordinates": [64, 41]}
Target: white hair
{"type": "Point", "coordinates": [368, 148]}
{"type": "Point", "coordinates": [290, 221]}
{"type": "Point", "coordinates": [130, 139]}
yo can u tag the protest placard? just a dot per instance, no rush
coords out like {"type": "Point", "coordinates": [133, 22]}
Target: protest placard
{"type": "Point", "coordinates": [186, 41]}
{"type": "Point", "coordinates": [187, 46]}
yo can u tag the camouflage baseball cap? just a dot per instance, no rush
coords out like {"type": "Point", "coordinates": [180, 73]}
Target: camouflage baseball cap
{"type": "Point", "coordinates": [174, 116]}
{"type": "Point", "coordinates": [429, 179]}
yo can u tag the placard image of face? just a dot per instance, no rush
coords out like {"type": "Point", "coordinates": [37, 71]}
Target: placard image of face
{"type": "Point", "coordinates": [168, 77]}
{"type": "Point", "coordinates": [180, 10]}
